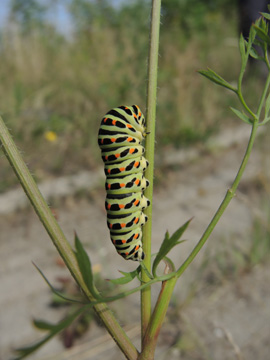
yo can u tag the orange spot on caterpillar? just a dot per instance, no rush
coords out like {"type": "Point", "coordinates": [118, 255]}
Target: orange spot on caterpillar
{"type": "Point", "coordinates": [108, 206]}
{"type": "Point", "coordinates": [111, 225]}
{"type": "Point", "coordinates": [113, 122]}
{"type": "Point", "coordinates": [129, 139]}
{"type": "Point", "coordinates": [137, 182]}
{"type": "Point", "coordinates": [122, 169]}
{"type": "Point", "coordinates": [121, 206]}
{"type": "Point", "coordinates": [114, 241]}
{"type": "Point", "coordinates": [122, 185]}
{"type": "Point", "coordinates": [105, 119]}
{"type": "Point", "coordinates": [109, 186]}
{"type": "Point", "coordinates": [129, 126]}
{"type": "Point", "coordinates": [102, 140]}
{"type": "Point", "coordinates": [136, 220]}
{"type": "Point", "coordinates": [136, 236]}
{"type": "Point", "coordinates": [108, 171]}
{"type": "Point", "coordinates": [124, 241]}
{"type": "Point", "coordinates": [131, 151]}
{"type": "Point", "coordinates": [126, 253]}
{"type": "Point", "coordinates": [136, 202]}
{"type": "Point", "coordinates": [113, 140]}
{"type": "Point", "coordinates": [106, 157]}
{"type": "Point", "coordinates": [137, 247]}
{"type": "Point", "coordinates": [135, 116]}
{"type": "Point", "coordinates": [123, 225]}
{"type": "Point", "coordinates": [117, 155]}
{"type": "Point", "coordinates": [137, 164]}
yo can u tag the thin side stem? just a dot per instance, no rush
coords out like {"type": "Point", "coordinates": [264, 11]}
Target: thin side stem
{"type": "Point", "coordinates": [228, 197]}
{"type": "Point", "coordinates": [162, 304]}
{"type": "Point", "coordinates": [149, 154]}
{"type": "Point", "coordinates": [264, 94]}
{"type": "Point", "coordinates": [244, 61]}
{"type": "Point", "coordinates": [161, 307]}
{"type": "Point", "coordinates": [60, 241]}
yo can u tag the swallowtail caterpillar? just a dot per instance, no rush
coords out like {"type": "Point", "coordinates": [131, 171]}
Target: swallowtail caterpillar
{"type": "Point", "coordinates": [121, 133]}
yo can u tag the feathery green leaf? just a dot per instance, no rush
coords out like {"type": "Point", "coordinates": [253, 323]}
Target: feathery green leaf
{"type": "Point", "coordinates": [241, 115]}
{"type": "Point", "coordinates": [85, 267]}
{"type": "Point", "coordinates": [168, 244]}
{"type": "Point", "coordinates": [211, 75]}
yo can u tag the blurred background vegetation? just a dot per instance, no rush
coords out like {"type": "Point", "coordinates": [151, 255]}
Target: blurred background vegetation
{"type": "Point", "coordinates": [55, 86]}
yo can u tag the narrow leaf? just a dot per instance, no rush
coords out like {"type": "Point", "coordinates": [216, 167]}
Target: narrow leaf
{"type": "Point", "coordinates": [264, 25]}
{"type": "Point", "coordinates": [43, 325]}
{"type": "Point", "coordinates": [85, 267]}
{"type": "Point", "coordinates": [241, 115]}
{"type": "Point", "coordinates": [265, 15]}
{"type": "Point", "coordinates": [242, 48]}
{"type": "Point", "coordinates": [262, 34]}
{"type": "Point", "coordinates": [211, 75]}
{"type": "Point", "coordinates": [127, 277]}
{"type": "Point", "coordinates": [169, 243]}
{"type": "Point", "coordinates": [27, 350]}
{"type": "Point", "coordinates": [253, 53]}
{"type": "Point", "coordinates": [62, 296]}
{"type": "Point", "coordinates": [252, 35]}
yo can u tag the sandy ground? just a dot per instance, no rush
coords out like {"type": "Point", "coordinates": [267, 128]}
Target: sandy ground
{"type": "Point", "coordinates": [215, 314]}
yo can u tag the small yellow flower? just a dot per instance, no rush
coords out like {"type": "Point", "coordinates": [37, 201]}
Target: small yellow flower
{"type": "Point", "coordinates": [50, 136]}
{"type": "Point", "coordinates": [96, 268]}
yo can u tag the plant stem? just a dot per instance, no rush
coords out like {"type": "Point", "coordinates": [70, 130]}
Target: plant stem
{"type": "Point", "coordinates": [157, 318]}
{"type": "Point", "coordinates": [228, 197]}
{"type": "Point", "coordinates": [162, 304]}
{"type": "Point", "coordinates": [60, 241]}
{"type": "Point", "coordinates": [265, 91]}
{"type": "Point", "coordinates": [244, 61]}
{"type": "Point", "coordinates": [149, 154]}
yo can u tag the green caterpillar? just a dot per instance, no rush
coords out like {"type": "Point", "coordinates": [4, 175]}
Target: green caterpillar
{"type": "Point", "coordinates": [120, 135]}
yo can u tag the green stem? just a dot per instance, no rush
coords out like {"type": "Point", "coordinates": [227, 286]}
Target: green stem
{"type": "Point", "coordinates": [162, 304]}
{"type": "Point", "coordinates": [149, 154]}
{"type": "Point", "coordinates": [244, 61]}
{"type": "Point", "coordinates": [228, 197]}
{"type": "Point", "coordinates": [242, 100]}
{"type": "Point", "coordinates": [60, 241]}
{"type": "Point", "coordinates": [160, 310]}
{"type": "Point", "coordinates": [157, 318]}
{"type": "Point", "coordinates": [264, 94]}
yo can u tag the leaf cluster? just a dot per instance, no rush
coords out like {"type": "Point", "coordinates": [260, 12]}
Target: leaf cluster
{"type": "Point", "coordinates": [256, 46]}
{"type": "Point", "coordinates": [84, 264]}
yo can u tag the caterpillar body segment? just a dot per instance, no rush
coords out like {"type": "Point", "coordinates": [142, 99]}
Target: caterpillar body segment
{"type": "Point", "coordinates": [121, 240]}
{"type": "Point", "coordinates": [127, 167]}
{"type": "Point", "coordinates": [121, 132]}
{"type": "Point", "coordinates": [126, 184]}
{"type": "Point", "coordinates": [131, 252]}
{"type": "Point", "coordinates": [131, 116]}
{"type": "Point", "coordinates": [122, 223]}
{"type": "Point", "coordinates": [121, 153]}
{"type": "Point", "coordinates": [124, 244]}
{"type": "Point", "coordinates": [126, 203]}
{"type": "Point", "coordinates": [111, 141]}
